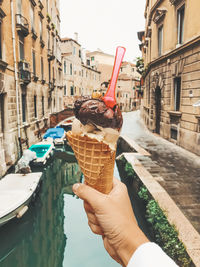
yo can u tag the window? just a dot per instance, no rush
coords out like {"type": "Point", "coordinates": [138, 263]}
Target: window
{"type": "Point", "coordinates": [60, 75]}
{"type": "Point", "coordinates": [19, 6]}
{"type": "Point", "coordinates": [49, 66]}
{"type": "Point", "coordinates": [88, 62]}
{"type": "Point", "coordinates": [133, 69]}
{"type": "Point", "coordinates": [41, 28]}
{"type": "Point", "coordinates": [53, 74]}
{"type": "Point", "coordinates": [32, 19]}
{"type": "Point", "coordinates": [65, 67]}
{"type": "Point", "coordinates": [42, 69]}
{"type": "Point", "coordinates": [160, 40]}
{"type": "Point", "coordinates": [177, 93]}
{"type": "Point", "coordinates": [70, 68]}
{"type": "Point", "coordinates": [2, 112]}
{"type": "Point", "coordinates": [92, 58]}
{"type": "Point", "coordinates": [174, 133]}
{"type": "Point", "coordinates": [35, 106]}
{"type": "Point", "coordinates": [79, 53]}
{"type": "Point", "coordinates": [121, 69]}
{"type": "Point", "coordinates": [0, 41]}
{"type": "Point", "coordinates": [48, 40]}
{"type": "Point", "coordinates": [43, 106]}
{"type": "Point", "coordinates": [65, 90]}
{"type": "Point", "coordinates": [2, 15]}
{"type": "Point", "coordinates": [23, 107]}
{"type": "Point", "coordinates": [47, 4]}
{"type": "Point", "coordinates": [34, 66]}
{"type": "Point", "coordinates": [21, 47]}
{"type": "Point", "coordinates": [180, 23]}
{"type": "Point", "coordinates": [74, 50]}
{"type": "Point", "coordinates": [72, 90]}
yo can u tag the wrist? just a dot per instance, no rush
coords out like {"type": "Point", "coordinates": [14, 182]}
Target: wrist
{"type": "Point", "coordinates": [131, 243]}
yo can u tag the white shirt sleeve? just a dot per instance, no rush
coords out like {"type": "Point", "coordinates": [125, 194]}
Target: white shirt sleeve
{"type": "Point", "coordinates": [150, 255]}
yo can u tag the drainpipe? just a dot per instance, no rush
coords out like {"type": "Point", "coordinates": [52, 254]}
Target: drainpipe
{"type": "Point", "coordinates": [16, 77]}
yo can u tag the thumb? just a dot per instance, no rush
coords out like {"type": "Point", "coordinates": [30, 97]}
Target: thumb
{"type": "Point", "coordinates": [88, 194]}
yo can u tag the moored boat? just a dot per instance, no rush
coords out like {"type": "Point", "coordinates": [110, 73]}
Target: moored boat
{"type": "Point", "coordinates": [43, 152]}
{"type": "Point", "coordinates": [16, 193]}
{"type": "Point", "coordinates": [57, 134]}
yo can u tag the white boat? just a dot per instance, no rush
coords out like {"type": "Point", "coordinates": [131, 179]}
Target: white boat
{"type": "Point", "coordinates": [43, 151]}
{"type": "Point", "coordinates": [16, 193]}
{"type": "Point", "coordinates": [67, 123]}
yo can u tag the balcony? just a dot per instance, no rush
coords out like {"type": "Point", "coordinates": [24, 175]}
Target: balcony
{"type": "Point", "coordinates": [3, 64]}
{"type": "Point", "coordinates": [40, 4]}
{"type": "Point", "coordinates": [22, 25]}
{"type": "Point", "coordinates": [33, 2]}
{"type": "Point", "coordinates": [50, 54]}
{"type": "Point", "coordinates": [24, 72]}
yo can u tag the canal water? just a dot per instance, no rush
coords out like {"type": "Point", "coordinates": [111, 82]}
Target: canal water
{"type": "Point", "coordinates": [54, 232]}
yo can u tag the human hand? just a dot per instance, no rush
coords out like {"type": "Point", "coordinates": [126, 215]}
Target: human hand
{"type": "Point", "coordinates": [112, 217]}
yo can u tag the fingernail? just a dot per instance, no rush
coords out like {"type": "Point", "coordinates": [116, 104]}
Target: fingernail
{"type": "Point", "coordinates": [75, 187]}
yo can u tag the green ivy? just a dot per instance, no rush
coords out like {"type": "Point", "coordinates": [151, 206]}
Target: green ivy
{"type": "Point", "coordinates": [143, 193]}
{"type": "Point", "coordinates": [165, 234]}
{"type": "Point", "coordinates": [129, 170]}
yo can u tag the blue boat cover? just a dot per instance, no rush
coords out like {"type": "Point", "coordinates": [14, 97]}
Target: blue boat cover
{"type": "Point", "coordinates": [54, 133]}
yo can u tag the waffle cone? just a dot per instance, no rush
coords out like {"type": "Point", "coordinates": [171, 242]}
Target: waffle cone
{"type": "Point", "coordinates": [96, 161]}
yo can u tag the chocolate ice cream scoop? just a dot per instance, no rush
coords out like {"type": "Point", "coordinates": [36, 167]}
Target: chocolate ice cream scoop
{"type": "Point", "coordinates": [95, 111]}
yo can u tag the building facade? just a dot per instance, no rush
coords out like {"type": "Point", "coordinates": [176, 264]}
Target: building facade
{"type": "Point", "coordinates": [101, 61]}
{"type": "Point", "coordinates": [30, 73]}
{"type": "Point", "coordinates": [170, 45]}
{"type": "Point", "coordinates": [128, 87]}
{"type": "Point", "coordinates": [79, 79]}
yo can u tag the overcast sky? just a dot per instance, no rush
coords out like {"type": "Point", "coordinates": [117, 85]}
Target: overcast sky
{"type": "Point", "coordinates": [104, 24]}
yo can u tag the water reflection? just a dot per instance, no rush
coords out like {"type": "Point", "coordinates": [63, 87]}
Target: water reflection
{"type": "Point", "coordinates": [38, 239]}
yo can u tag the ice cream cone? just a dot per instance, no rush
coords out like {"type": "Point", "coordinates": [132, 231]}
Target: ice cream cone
{"type": "Point", "coordinates": [96, 161]}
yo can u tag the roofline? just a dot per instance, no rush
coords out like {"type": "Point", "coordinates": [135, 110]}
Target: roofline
{"type": "Point", "coordinates": [90, 68]}
{"type": "Point", "coordinates": [69, 40]}
{"type": "Point", "coordinates": [99, 52]}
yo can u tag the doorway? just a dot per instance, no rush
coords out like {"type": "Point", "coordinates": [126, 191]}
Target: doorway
{"type": "Point", "coordinates": [158, 108]}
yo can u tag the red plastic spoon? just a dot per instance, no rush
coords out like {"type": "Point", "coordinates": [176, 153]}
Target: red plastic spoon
{"type": "Point", "coordinates": [109, 98]}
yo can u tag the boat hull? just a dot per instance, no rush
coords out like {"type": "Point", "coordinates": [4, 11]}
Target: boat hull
{"type": "Point", "coordinates": [17, 191]}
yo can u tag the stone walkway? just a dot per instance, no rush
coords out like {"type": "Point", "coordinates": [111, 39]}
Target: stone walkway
{"type": "Point", "coordinates": [176, 169]}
